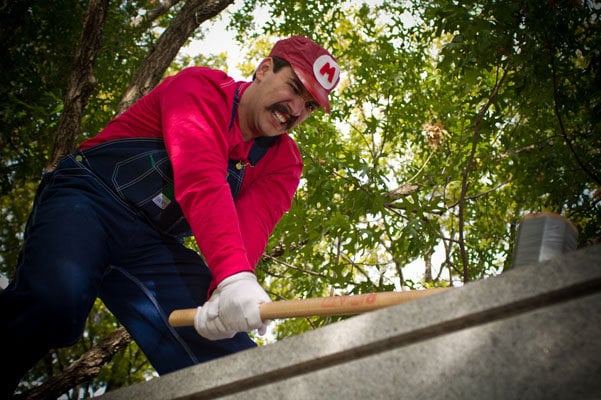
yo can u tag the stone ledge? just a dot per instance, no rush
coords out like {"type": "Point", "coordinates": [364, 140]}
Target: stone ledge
{"type": "Point", "coordinates": [518, 335]}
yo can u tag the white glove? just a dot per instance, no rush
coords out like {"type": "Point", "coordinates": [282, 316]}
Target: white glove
{"type": "Point", "coordinates": [233, 307]}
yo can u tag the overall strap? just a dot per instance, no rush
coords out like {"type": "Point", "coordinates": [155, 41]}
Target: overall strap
{"type": "Point", "coordinates": [260, 147]}
{"type": "Point", "coordinates": [261, 144]}
{"type": "Point", "coordinates": [234, 109]}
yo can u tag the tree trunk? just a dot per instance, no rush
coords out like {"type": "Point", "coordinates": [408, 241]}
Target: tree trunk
{"type": "Point", "coordinates": [81, 81]}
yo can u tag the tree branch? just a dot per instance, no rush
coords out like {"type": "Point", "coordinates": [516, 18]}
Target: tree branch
{"type": "Point", "coordinates": [83, 369]}
{"type": "Point", "coordinates": [467, 170]}
{"type": "Point", "coordinates": [581, 164]}
{"type": "Point", "coordinates": [161, 9]}
{"type": "Point", "coordinates": [193, 13]}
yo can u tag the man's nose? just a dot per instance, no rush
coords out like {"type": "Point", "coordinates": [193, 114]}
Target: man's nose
{"type": "Point", "coordinates": [298, 107]}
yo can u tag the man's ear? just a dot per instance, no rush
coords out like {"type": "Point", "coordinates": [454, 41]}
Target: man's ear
{"type": "Point", "coordinates": [264, 67]}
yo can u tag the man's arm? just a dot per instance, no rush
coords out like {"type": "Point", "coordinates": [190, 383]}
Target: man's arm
{"type": "Point", "coordinates": [196, 108]}
{"type": "Point", "coordinates": [268, 195]}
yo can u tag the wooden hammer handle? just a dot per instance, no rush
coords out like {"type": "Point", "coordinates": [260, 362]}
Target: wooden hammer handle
{"type": "Point", "coordinates": [319, 307]}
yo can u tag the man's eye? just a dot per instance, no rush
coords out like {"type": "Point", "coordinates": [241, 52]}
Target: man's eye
{"type": "Point", "coordinates": [295, 89]}
{"type": "Point", "coordinates": [311, 106]}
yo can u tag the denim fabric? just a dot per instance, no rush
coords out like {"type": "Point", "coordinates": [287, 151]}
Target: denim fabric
{"type": "Point", "coordinates": [84, 241]}
{"type": "Point", "coordinates": [140, 173]}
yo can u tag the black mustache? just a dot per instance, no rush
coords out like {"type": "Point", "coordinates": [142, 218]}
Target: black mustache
{"type": "Point", "coordinates": [279, 107]}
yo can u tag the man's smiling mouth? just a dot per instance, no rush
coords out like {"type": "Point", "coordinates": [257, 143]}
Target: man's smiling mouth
{"type": "Point", "coordinates": [281, 114]}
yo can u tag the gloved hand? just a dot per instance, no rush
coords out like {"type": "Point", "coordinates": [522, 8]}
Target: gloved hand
{"type": "Point", "coordinates": [233, 307]}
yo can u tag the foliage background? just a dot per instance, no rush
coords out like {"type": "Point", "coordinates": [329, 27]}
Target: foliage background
{"type": "Point", "coordinates": [452, 121]}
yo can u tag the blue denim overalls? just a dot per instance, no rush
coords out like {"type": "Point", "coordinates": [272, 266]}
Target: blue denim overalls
{"type": "Point", "coordinates": [89, 236]}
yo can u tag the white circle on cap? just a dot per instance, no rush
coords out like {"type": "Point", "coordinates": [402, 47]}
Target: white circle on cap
{"type": "Point", "coordinates": [326, 71]}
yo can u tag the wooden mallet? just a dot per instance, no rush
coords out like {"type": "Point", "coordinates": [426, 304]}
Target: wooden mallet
{"type": "Point", "coordinates": [319, 307]}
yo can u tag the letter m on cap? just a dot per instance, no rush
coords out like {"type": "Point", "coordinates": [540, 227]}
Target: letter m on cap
{"type": "Point", "coordinates": [328, 70]}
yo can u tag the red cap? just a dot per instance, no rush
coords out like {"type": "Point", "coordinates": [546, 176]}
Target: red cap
{"type": "Point", "coordinates": [316, 68]}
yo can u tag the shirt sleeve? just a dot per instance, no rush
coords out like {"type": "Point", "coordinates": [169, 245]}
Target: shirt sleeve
{"type": "Point", "coordinates": [195, 111]}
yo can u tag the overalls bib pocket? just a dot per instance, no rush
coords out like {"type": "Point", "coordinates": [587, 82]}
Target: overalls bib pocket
{"type": "Point", "coordinates": [145, 181]}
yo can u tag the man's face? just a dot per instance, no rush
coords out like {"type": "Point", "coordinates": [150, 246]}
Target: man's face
{"type": "Point", "coordinates": [279, 102]}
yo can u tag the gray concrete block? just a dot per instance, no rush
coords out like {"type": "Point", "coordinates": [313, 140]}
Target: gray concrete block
{"type": "Point", "coordinates": [531, 333]}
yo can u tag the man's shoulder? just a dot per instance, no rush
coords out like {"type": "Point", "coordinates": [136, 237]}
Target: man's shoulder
{"type": "Point", "coordinates": [284, 140]}
{"type": "Point", "coordinates": [207, 72]}
{"type": "Point", "coordinates": [287, 145]}
{"type": "Point", "coordinates": [206, 77]}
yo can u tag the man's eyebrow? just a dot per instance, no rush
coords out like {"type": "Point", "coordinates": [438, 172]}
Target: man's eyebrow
{"type": "Point", "coordinates": [295, 79]}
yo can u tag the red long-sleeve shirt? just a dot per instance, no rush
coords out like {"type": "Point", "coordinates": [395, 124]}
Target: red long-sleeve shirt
{"type": "Point", "coordinates": [191, 112]}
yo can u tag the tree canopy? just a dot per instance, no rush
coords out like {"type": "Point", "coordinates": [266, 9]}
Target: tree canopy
{"type": "Point", "coordinates": [451, 122]}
